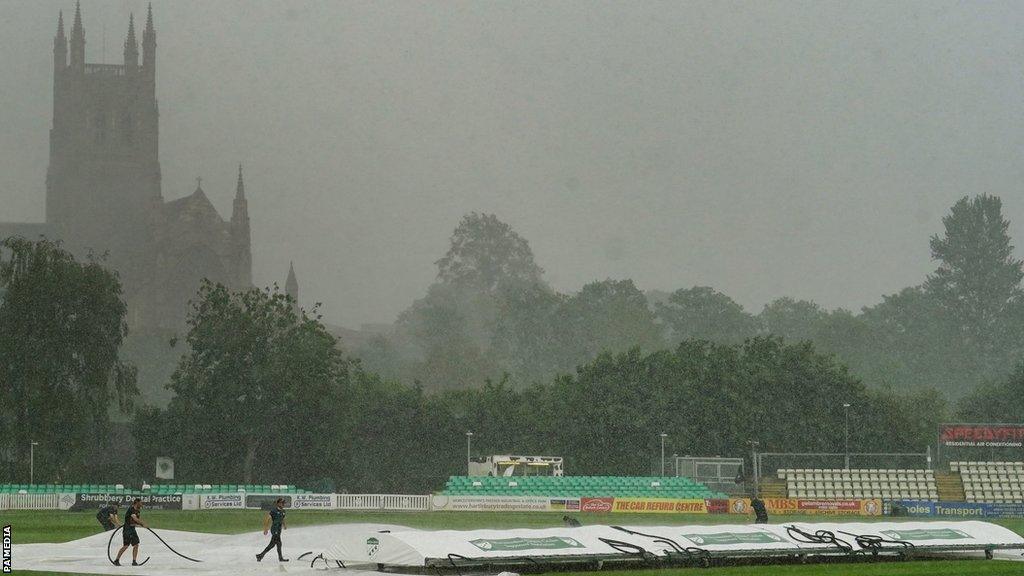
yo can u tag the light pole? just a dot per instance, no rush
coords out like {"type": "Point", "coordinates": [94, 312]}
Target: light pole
{"type": "Point", "coordinates": [32, 463]}
{"type": "Point", "coordinates": [469, 444]}
{"type": "Point", "coordinates": [846, 433]}
{"type": "Point", "coordinates": [662, 435]}
{"type": "Point", "coordinates": [755, 465]}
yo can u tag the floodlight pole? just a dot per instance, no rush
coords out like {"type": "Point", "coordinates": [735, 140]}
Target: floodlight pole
{"type": "Point", "coordinates": [32, 462]}
{"type": "Point", "coordinates": [469, 444]}
{"type": "Point", "coordinates": [662, 435]}
{"type": "Point", "coordinates": [756, 465]}
{"type": "Point", "coordinates": [846, 433]}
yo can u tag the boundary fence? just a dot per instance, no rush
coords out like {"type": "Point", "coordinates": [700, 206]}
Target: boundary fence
{"type": "Point", "coordinates": [437, 503]}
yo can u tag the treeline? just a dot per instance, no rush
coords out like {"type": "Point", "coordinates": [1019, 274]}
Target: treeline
{"type": "Point", "coordinates": [264, 395]}
{"type": "Point", "coordinates": [262, 392]}
{"type": "Point", "coordinates": [491, 314]}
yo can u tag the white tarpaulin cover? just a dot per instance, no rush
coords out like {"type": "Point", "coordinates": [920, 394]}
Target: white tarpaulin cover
{"type": "Point", "coordinates": [423, 548]}
{"type": "Point", "coordinates": [924, 535]}
{"type": "Point", "coordinates": [230, 554]}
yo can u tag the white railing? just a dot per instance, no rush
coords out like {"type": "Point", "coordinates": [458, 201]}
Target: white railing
{"type": "Point", "coordinates": [383, 502]}
{"type": "Point", "coordinates": [405, 502]}
{"type": "Point", "coordinates": [410, 502]}
{"type": "Point", "coordinates": [359, 501]}
{"type": "Point", "coordinates": [29, 501]}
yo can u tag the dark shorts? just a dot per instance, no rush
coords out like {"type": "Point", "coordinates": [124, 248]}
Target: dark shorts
{"type": "Point", "coordinates": [131, 537]}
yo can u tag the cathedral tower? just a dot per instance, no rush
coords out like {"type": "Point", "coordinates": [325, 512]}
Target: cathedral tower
{"type": "Point", "coordinates": [103, 181]}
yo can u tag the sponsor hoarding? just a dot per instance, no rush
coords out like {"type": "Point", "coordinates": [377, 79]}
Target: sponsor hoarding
{"type": "Point", "coordinates": [659, 505]}
{"type": "Point", "coordinates": [221, 501]}
{"type": "Point", "coordinates": [981, 435]}
{"type": "Point", "coordinates": [957, 509]}
{"type": "Point", "coordinates": [800, 506]}
{"type": "Point", "coordinates": [596, 504]}
{"type": "Point", "coordinates": [151, 501]}
{"type": "Point", "coordinates": [717, 505]}
{"type": "Point", "coordinates": [313, 501]}
{"type": "Point", "coordinates": [266, 501]}
{"type": "Point", "coordinates": [565, 504]}
{"type": "Point", "coordinates": [492, 503]}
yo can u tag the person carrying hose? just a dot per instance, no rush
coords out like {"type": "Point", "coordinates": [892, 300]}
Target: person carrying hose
{"type": "Point", "coordinates": [129, 535]}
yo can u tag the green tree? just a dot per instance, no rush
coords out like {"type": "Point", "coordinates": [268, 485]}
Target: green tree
{"type": "Point", "coordinates": [259, 379]}
{"type": "Point", "coordinates": [998, 401]}
{"type": "Point", "coordinates": [702, 313]}
{"type": "Point", "coordinates": [978, 279]}
{"type": "Point", "coordinates": [486, 254]}
{"type": "Point", "coordinates": [609, 316]}
{"type": "Point", "coordinates": [454, 326]}
{"type": "Point", "coordinates": [61, 326]}
{"type": "Point", "coordinates": [792, 319]}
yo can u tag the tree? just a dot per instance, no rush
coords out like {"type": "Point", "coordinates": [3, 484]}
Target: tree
{"type": "Point", "coordinates": [612, 316]}
{"type": "Point", "coordinates": [454, 326]}
{"type": "Point", "coordinates": [792, 319]}
{"type": "Point", "coordinates": [702, 313]}
{"type": "Point", "coordinates": [486, 254]}
{"type": "Point", "coordinates": [1001, 401]}
{"type": "Point", "coordinates": [61, 326]}
{"type": "Point", "coordinates": [978, 279]}
{"type": "Point", "coordinates": [260, 380]}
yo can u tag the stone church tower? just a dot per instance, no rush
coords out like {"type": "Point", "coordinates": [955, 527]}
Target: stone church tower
{"type": "Point", "coordinates": [103, 192]}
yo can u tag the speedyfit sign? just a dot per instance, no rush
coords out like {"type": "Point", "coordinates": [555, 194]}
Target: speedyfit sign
{"type": "Point", "coordinates": [151, 501]}
{"type": "Point", "coordinates": [982, 435]}
{"type": "Point", "coordinates": [956, 509]}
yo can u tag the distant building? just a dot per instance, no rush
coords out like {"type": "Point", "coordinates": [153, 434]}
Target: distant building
{"type": "Point", "coordinates": [103, 190]}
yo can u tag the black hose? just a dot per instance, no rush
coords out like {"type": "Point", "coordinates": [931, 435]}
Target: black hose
{"type": "Point", "coordinates": [169, 546]}
{"type": "Point", "coordinates": [819, 537]}
{"type": "Point", "coordinates": [691, 552]}
{"type": "Point", "coordinates": [451, 560]}
{"type": "Point", "coordinates": [109, 542]}
{"type": "Point", "coordinates": [874, 543]}
{"type": "Point", "coordinates": [628, 548]}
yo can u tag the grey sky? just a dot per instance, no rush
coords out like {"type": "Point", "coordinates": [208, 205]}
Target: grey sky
{"type": "Point", "coordinates": [787, 148]}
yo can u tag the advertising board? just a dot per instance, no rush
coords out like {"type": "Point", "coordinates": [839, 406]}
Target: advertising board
{"type": "Point", "coordinates": [659, 505]}
{"type": "Point", "coordinates": [85, 501]}
{"type": "Point", "coordinates": [493, 503]}
{"type": "Point", "coordinates": [313, 501]}
{"type": "Point", "coordinates": [981, 435]}
{"type": "Point", "coordinates": [967, 510]}
{"type": "Point", "coordinates": [869, 507]}
{"type": "Point", "coordinates": [221, 501]}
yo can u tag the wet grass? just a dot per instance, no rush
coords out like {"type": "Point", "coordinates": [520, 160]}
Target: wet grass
{"type": "Point", "coordinates": [58, 526]}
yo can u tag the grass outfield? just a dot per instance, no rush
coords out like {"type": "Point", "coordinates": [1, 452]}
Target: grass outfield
{"type": "Point", "coordinates": [58, 526]}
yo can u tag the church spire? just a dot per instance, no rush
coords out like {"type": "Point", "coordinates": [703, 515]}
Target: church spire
{"type": "Point", "coordinates": [60, 45]}
{"type": "Point", "coordinates": [60, 27]}
{"type": "Point", "coordinates": [240, 209]}
{"type": "Point", "coordinates": [291, 285]}
{"type": "Point", "coordinates": [78, 40]}
{"type": "Point", "coordinates": [149, 44]}
{"type": "Point", "coordinates": [240, 186]}
{"type": "Point", "coordinates": [131, 47]}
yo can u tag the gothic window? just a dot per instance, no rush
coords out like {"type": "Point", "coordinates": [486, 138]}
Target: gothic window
{"type": "Point", "coordinates": [128, 128]}
{"type": "Point", "coordinates": [101, 126]}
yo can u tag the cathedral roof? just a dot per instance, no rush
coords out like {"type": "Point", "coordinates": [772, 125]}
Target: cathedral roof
{"type": "Point", "coordinates": [194, 207]}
